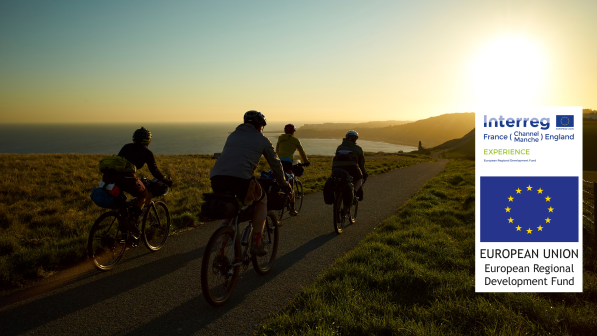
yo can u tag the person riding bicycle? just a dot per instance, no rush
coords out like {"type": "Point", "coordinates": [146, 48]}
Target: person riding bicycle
{"type": "Point", "coordinates": [287, 145]}
{"type": "Point", "coordinates": [233, 171]}
{"type": "Point", "coordinates": [138, 154]}
{"type": "Point", "coordinates": [349, 156]}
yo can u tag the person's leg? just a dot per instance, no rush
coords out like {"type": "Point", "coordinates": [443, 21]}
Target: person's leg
{"type": "Point", "coordinates": [358, 184]}
{"type": "Point", "coordinates": [259, 220]}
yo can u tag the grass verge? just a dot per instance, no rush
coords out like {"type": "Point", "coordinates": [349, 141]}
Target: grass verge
{"type": "Point", "coordinates": [46, 212]}
{"type": "Point", "coordinates": [414, 275]}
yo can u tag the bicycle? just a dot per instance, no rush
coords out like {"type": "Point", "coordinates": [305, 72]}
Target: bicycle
{"type": "Point", "coordinates": [297, 190]}
{"type": "Point", "coordinates": [108, 238]}
{"type": "Point", "coordinates": [339, 214]}
{"type": "Point", "coordinates": [223, 254]}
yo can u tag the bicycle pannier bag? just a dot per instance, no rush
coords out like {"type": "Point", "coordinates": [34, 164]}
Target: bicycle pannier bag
{"type": "Point", "coordinates": [276, 198]}
{"type": "Point", "coordinates": [218, 206]}
{"type": "Point", "coordinates": [298, 170]}
{"type": "Point", "coordinates": [328, 191]}
{"type": "Point", "coordinates": [102, 198]}
{"type": "Point", "coordinates": [117, 164]}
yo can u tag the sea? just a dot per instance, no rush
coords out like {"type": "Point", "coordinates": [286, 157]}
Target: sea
{"type": "Point", "coordinates": [168, 138]}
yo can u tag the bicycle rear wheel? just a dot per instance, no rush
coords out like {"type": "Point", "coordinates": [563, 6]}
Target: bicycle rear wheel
{"type": "Point", "coordinates": [298, 195]}
{"type": "Point", "coordinates": [339, 217]}
{"type": "Point", "coordinates": [106, 243]}
{"type": "Point", "coordinates": [218, 275]}
{"type": "Point", "coordinates": [269, 238]}
{"type": "Point", "coordinates": [156, 226]}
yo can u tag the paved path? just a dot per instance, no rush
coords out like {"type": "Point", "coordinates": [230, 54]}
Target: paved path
{"type": "Point", "coordinates": [159, 293]}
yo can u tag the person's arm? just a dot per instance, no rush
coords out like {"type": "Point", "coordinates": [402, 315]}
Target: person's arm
{"type": "Point", "coordinates": [153, 167]}
{"type": "Point", "coordinates": [301, 151]}
{"type": "Point", "coordinates": [278, 147]}
{"type": "Point", "coordinates": [362, 162]}
{"type": "Point", "coordinates": [274, 162]}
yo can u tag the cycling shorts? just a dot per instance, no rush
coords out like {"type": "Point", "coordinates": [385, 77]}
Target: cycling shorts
{"type": "Point", "coordinates": [127, 182]}
{"type": "Point", "coordinates": [230, 184]}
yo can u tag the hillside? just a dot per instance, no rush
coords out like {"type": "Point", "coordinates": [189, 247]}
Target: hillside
{"type": "Point", "coordinates": [431, 131]}
{"type": "Point", "coordinates": [343, 126]}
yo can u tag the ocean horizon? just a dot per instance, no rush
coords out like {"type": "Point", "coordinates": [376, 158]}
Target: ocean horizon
{"type": "Point", "coordinates": [168, 138]}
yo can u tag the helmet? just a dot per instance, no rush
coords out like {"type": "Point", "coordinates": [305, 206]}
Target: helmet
{"type": "Point", "coordinates": [142, 135]}
{"type": "Point", "coordinates": [352, 135]}
{"type": "Point", "coordinates": [255, 118]}
{"type": "Point", "coordinates": [289, 128]}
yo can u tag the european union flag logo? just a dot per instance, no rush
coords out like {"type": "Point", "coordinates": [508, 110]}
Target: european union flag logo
{"type": "Point", "coordinates": [529, 209]}
{"type": "Point", "coordinates": [564, 121]}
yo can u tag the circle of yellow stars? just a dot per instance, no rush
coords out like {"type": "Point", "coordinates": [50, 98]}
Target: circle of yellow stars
{"type": "Point", "coordinates": [547, 220]}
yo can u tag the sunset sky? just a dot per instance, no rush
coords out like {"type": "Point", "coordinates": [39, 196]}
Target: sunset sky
{"type": "Point", "coordinates": [303, 61]}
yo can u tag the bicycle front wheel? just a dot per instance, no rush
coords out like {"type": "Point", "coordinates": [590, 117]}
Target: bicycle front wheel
{"type": "Point", "coordinates": [218, 271]}
{"type": "Point", "coordinates": [269, 239]}
{"type": "Point", "coordinates": [106, 243]}
{"type": "Point", "coordinates": [298, 195]}
{"type": "Point", "coordinates": [156, 226]}
{"type": "Point", "coordinates": [339, 216]}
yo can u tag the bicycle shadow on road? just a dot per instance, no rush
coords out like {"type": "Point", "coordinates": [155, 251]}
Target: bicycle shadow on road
{"type": "Point", "coordinates": [195, 314]}
{"type": "Point", "coordinates": [19, 319]}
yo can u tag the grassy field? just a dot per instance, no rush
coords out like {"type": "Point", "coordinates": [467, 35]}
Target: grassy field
{"type": "Point", "coordinates": [589, 144]}
{"type": "Point", "coordinates": [414, 275]}
{"type": "Point", "coordinates": [46, 213]}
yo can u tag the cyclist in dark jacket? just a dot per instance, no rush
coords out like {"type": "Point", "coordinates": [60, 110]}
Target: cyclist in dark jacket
{"type": "Point", "coordinates": [138, 154]}
{"type": "Point", "coordinates": [350, 157]}
{"type": "Point", "coordinates": [234, 169]}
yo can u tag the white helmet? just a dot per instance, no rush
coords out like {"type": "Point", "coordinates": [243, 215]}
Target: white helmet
{"type": "Point", "coordinates": [352, 135]}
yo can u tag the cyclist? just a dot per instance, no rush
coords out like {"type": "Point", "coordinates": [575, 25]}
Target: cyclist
{"type": "Point", "coordinates": [285, 148]}
{"type": "Point", "coordinates": [138, 154]}
{"type": "Point", "coordinates": [349, 156]}
{"type": "Point", "coordinates": [234, 169]}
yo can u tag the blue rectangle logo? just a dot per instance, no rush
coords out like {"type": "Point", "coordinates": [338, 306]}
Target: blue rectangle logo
{"type": "Point", "coordinates": [564, 121]}
{"type": "Point", "coordinates": [529, 209]}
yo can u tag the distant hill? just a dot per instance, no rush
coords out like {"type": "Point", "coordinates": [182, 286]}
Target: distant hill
{"type": "Point", "coordinates": [349, 126]}
{"type": "Point", "coordinates": [460, 148]}
{"type": "Point", "coordinates": [431, 131]}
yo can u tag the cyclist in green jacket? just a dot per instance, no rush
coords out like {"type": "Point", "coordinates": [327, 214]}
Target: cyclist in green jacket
{"type": "Point", "coordinates": [287, 145]}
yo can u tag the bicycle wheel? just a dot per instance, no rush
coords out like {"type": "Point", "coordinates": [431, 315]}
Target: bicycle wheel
{"type": "Point", "coordinates": [269, 238]}
{"type": "Point", "coordinates": [156, 226]}
{"type": "Point", "coordinates": [354, 210]}
{"type": "Point", "coordinates": [298, 195]}
{"type": "Point", "coordinates": [106, 243]}
{"type": "Point", "coordinates": [218, 273]}
{"type": "Point", "coordinates": [339, 217]}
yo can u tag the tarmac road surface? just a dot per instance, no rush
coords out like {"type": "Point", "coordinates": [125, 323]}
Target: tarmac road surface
{"type": "Point", "coordinates": [159, 293]}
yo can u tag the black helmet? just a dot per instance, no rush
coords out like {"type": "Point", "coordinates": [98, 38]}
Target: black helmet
{"type": "Point", "coordinates": [255, 118]}
{"type": "Point", "coordinates": [352, 135]}
{"type": "Point", "coordinates": [142, 135]}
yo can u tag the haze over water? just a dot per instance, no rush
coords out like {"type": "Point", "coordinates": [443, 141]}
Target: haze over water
{"type": "Point", "coordinates": [187, 138]}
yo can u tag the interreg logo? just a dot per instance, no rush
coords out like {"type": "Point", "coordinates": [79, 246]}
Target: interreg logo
{"type": "Point", "coordinates": [564, 121]}
{"type": "Point", "coordinates": [519, 122]}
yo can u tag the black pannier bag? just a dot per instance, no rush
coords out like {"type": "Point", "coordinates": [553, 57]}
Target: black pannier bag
{"type": "Point", "coordinates": [328, 191]}
{"type": "Point", "coordinates": [157, 188]}
{"type": "Point", "coordinates": [218, 206]}
{"type": "Point", "coordinates": [276, 198]}
{"type": "Point", "coordinates": [298, 170]}
{"type": "Point", "coordinates": [343, 180]}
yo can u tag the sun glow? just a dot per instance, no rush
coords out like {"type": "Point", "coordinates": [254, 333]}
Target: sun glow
{"type": "Point", "coordinates": [509, 71]}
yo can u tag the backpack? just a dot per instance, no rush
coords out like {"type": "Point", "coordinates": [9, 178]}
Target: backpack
{"type": "Point", "coordinates": [116, 163]}
{"type": "Point", "coordinates": [346, 155]}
